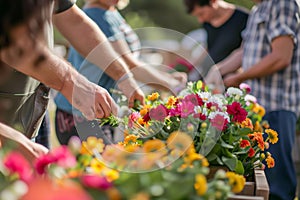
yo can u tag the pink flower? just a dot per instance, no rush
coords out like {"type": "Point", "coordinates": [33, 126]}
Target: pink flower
{"type": "Point", "coordinates": [159, 113]}
{"type": "Point", "coordinates": [246, 87]}
{"type": "Point", "coordinates": [16, 163]}
{"type": "Point", "coordinates": [97, 182]}
{"type": "Point", "coordinates": [219, 122]}
{"type": "Point", "coordinates": [239, 113]}
{"type": "Point", "coordinates": [194, 99]}
{"type": "Point", "coordinates": [60, 156]}
{"type": "Point", "coordinates": [187, 108]}
{"type": "Point", "coordinates": [133, 118]}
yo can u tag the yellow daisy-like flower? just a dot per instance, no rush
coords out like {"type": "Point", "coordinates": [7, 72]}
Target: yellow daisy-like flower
{"type": "Point", "coordinates": [270, 161]}
{"type": "Point", "coordinates": [171, 101]}
{"type": "Point", "coordinates": [273, 135]}
{"type": "Point", "coordinates": [130, 139]}
{"type": "Point", "coordinates": [153, 96]}
{"type": "Point", "coordinates": [97, 166]}
{"type": "Point", "coordinates": [236, 181]}
{"type": "Point", "coordinates": [141, 121]}
{"type": "Point", "coordinates": [179, 141]}
{"type": "Point", "coordinates": [92, 144]}
{"type": "Point", "coordinates": [200, 184]}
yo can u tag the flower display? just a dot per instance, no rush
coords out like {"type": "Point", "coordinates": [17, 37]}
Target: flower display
{"type": "Point", "coordinates": [129, 170]}
{"type": "Point", "coordinates": [228, 129]}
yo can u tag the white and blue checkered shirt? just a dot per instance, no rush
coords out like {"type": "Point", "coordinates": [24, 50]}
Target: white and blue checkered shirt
{"type": "Point", "coordinates": [268, 20]}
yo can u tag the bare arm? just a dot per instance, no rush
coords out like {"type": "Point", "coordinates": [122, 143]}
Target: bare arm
{"type": "Point", "coordinates": [37, 61]}
{"type": "Point", "coordinates": [148, 74]}
{"type": "Point", "coordinates": [25, 146]}
{"type": "Point", "coordinates": [278, 59]}
{"type": "Point", "coordinates": [90, 42]}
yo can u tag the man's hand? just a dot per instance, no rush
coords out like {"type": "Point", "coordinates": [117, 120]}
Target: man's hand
{"type": "Point", "coordinates": [132, 91]}
{"type": "Point", "coordinates": [233, 80]}
{"type": "Point", "coordinates": [92, 100]}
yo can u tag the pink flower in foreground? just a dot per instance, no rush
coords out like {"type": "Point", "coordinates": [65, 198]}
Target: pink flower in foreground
{"type": "Point", "coordinates": [60, 156]}
{"type": "Point", "coordinates": [95, 181]}
{"type": "Point", "coordinates": [239, 114]}
{"type": "Point", "coordinates": [16, 163]}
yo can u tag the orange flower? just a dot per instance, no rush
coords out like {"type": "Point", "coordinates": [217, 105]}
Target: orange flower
{"type": "Point", "coordinates": [171, 101]}
{"type": "Point", "coordinates": [270, 161]}
{"type": "Point", "coordinates": [153, 96]}
{"type": "Point", "coordinates": [247, 123]}
{"type": "Point", "coordinates": [244, 143]}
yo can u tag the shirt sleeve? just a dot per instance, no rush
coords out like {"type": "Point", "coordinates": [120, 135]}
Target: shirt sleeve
{"type": "Point", "coordinates": [62, 5]}
{"type": "Point", "coordinates": [107, 23]}
{"type": "Point", "coordinates": [284, 20]}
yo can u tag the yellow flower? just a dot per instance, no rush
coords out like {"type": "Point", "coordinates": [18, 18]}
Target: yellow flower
{"type": "Point", "coordinates": [144, 110]}
{"type": "Point", "coordinates": [111, 174]}
{"type": "Point", "coordinates": [257, 127]}
{"type": "Point", "coordinates": [270, 161]}
{"type": "Point", "coordinates": [171, 101]}
{"type": "Point", "coordinates": [97, 166]}
{"type": "Point", "coordinates": [92, 144]}
{"type": "Point", "coordinates": [200, 184]}
{"type": "Point", "coordinates": [154, 146]}
{"type": "Point", "coordinates": [236, 181]}
{"type": "Point", "coordinates": [259, 109]}
{"type": "Point", "coordinates": [179, 141]}
{"type": "Point", "coordinates": [273, 135]}
{"type": "Point", "coordinates": [153, 96]}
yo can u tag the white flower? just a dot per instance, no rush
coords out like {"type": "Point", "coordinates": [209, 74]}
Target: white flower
{"type": "Point", "coordinates": [205, 96]}
{"type": "Point", "coordinates": [250, 98]}
{"type": "Point", "coordinates": [212, 115]}
{"type": "Point", "coordinates": [234, 91]}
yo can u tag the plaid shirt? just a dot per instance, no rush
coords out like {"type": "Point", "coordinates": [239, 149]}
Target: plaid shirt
{"type": "Point", "coordinates": [268, 20]}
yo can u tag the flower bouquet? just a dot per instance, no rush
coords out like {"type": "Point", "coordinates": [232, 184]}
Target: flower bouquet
{"type": "Point", "coordinates": [227, 129]}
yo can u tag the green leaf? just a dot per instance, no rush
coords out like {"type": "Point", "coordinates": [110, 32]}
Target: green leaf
{"type": "Point", "coordinates": [226, 145]}
{"type": "Point", "coordinates": [239, 168]}
{"type": "Point", "coordinates": [231, 163]}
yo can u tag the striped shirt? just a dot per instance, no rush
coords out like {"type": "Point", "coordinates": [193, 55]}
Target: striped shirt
{"type": "Point", "coordinates": [268, 20]}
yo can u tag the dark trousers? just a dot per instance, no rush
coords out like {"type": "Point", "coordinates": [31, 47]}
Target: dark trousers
{"type": "Point", "coordinates": [44, 132]}
{"type": "Point", "coordinates": [282, 178]}
{"type": "Point", "coordinates": [68, 125]}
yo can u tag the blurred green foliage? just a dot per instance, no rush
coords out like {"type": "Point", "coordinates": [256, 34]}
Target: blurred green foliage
{"type": "Point", "coordinates": [169, 14]}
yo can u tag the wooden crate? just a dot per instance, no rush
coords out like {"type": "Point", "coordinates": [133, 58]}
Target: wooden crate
{"type": "Point", "coordinates": [257, 190]}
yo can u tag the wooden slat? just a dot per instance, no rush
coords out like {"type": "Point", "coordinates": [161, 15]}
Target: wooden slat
{"type": "Point", "coordinates": [261, 187]}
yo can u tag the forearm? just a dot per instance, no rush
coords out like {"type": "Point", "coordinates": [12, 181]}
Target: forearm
{"type": "Point", "coordinates": [94, 46]}
{"type": "Point", "coordinates": [232, 63]}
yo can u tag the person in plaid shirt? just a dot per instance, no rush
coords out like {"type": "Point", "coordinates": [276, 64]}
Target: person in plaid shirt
{"type": "Point", "coordinates": [270, 60]}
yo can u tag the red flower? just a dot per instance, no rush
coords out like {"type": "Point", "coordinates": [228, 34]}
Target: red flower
{"type": "Point", "coordinates": [244, 143]}
{"type": "Point", "coordinates": [239, 113]}
{"type": "Point", "coordinates": [251, 152]}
